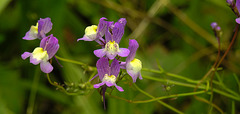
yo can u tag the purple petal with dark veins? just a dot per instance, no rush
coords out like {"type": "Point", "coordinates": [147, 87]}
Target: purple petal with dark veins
{"type": "Point", "coordinates": [115, 68]}
{"type": "Point", "coordinates": [117, 32]}
{"type": "Point", "coordinates": [44, 26]}
{"type": "Point", "coordinates": [122, 21]}
{"type": "Point", "coordinates": [103, 67]}
{"type": "Point", "coordinates": [133, 46]}
{"type": "Point", "coordinates": [50, 44]}
{"type": "Point", "coordinates": [108, 34]}
{"type": "Point", "coordinates": [102, 27]}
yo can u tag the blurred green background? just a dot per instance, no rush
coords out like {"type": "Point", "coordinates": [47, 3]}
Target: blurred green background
{"type": "Point", "coordinates": [176, 33]}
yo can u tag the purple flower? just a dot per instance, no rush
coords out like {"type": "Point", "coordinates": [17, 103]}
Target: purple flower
{"type": "Point", "coordinates": [95, 33]}
{"type": "Point", "coordinates": [108, 74]}
{"type": "Point", "coordinates": [39, 31]}
{"type": "Point", "coordinates": [112, 37]}
{"type": "Point", "coordinates": [133, 65]}
{"type": "Point", "coordinates": [48, 48]}
{"type": "Point", "coordinates": [238, 8]}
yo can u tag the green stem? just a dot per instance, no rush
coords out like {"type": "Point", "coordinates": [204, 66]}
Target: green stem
{"type": "Point", "coordinates": [60, 87]}
{"type": "Point", "coordinates": [33, 91]}
{"type": "Point", "coordinates": [170, 96]}
{"type": "Point", "coordinates": [161, 102]}
{"type": "Point", "coordinates": [171, 75]}
{"type": "Point", "coordinates": [193, 86]}
{"type": "Point", "coordinates": [90, 68]}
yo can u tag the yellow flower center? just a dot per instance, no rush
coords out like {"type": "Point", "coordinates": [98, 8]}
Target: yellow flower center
{"type": "Point", "coordinates": [34, 29]}
{"type": "Point", "coordinates": [108, 78]}
{"type": "Point", "coordinates": [135, 65]}
{"type": "Point", "coordinates": [39, 54]}
{"type": "Point", "coordinates": [91, 31]}
{"type": "Point", "coordinates": [112, 47]}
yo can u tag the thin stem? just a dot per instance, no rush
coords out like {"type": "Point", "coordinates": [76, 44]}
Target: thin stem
{"type": "Point", "coordinates": [230, 45]}
{"type": "Point", "coordinates": [161, 102]}
{"type": "Point", "coordinates": [90, 68]}
{"type": "Point", "coordinates": [171, 75]}
{"type": "Point", "coordinates": [60, 87]}
{"type": "Point", "coordinates": [193, 86]}
{"type": "Point", "coordinates": [171, 96]}
{"type": "Point", "coordinates": [236, 78]}
{"type": "Point", "coordinates": [33, 91]}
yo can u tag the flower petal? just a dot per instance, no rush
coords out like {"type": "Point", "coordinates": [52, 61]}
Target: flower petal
{"type": "Point", "coordinates": [108, 35]}
{"type": "Point", "coordinates": [238, 5]}
{"type": "Point", "coordinates": [102, 27]}
{"type": "Point", "coordinates": [115, 68]}
{"type": "Point", "coordinates": [134, 75]}
{"type": "Point", "coordinates": [46, 67]}
{"type": "Point", "coordinates": [118, 32]}
{"type": "Point", "coordinates": [238, 19]}
{"type": "Point", "coordinates": [123, 65]}
{"type": "Point", "coordinates": [34, 61]}
{"type": "Point", "coordinates": [103, 67]}
{"type": "Point", "coordinates": [26, 55]}
{"type": "Point", "coordinates": [133, 46]}
{"type": "Point", "coordinates": [109, 84]}
{"type": "Point", "coordinates": [50, 44]}
{"type": "Point", "coordinates": [98, 85]}
{"type": "Point", "coordinates": [110, 55]}
{"type": "Point", "coordinates": [44, 26]}
{"type": "Point", "coordinates": [119, 88]}
{"type": "Point", "coordinates": [123, 52]}
{"type": "Point", "coordinates": [99, 52]}
{"type": "Point", "coordinates": [85, 38]}
{"type": "Point", "coordinates": [30, 35]}
{"type": "Point", "coordinates": [123, 21]}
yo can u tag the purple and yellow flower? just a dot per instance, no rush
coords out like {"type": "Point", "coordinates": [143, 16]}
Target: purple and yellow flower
{"type": "Point", "coordinates": [39, 31]}
{"type": "Point", "coordinates": [108, 74]}
{"type": "Point", "coordinates": [132, 65]}
{"type": "Point", "coordinates": [113, 36]}
{"type": "Point", "coordinates": [95, 33]}
{"type": "Point", "coordinates": [48, 48]}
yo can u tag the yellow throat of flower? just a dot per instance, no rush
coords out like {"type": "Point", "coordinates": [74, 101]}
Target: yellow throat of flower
{"type": "Point", "coordinates": [90, 30]}
{"type": "Point", "coordinates": [39, 54]}
{"type": "Point", "coordinates": [108, 78]}
{"type": "Point", "coordinates": [112, 47]}
{"type": "Point", "coordinates": [136, 65]}
{"type": "Point", "coordinates": [34, 29]}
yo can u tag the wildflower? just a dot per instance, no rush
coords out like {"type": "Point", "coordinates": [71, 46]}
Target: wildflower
{"type": "Point", "coordinates": [133, 65]}
{"type": "Point", "coordinates": [95, 33]}
{"type": "Point", "coordinates": [39, 31]}
{"type": "Point", "coordinates": [238, 8]}
{"type": "Point", "coordinates": [108, 75]}
{"type": "Point", "coordinates": [112, 37]}
{"type": "Point", "coordinates": [48, 48]}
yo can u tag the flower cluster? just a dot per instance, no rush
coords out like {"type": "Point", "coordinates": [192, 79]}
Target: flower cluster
{"type": "Point", "coordinates": [109, 34]}
{"type": "Point", "coordinates": [48, 45]}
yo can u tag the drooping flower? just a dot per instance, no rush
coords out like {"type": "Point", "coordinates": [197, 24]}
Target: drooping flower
{"type": "Point", "coordinates": [95, 33]}
{"type": "Point", "coordinates": [113, 36]}
{"type": "Point", "coordinates": [132, 65]}
{"type": "Point", "coordinates": [108, 74]}
{"type": "Point", "coordinates": [48, 48]}
{"type": "Point", "coordinates": [39, 31]}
